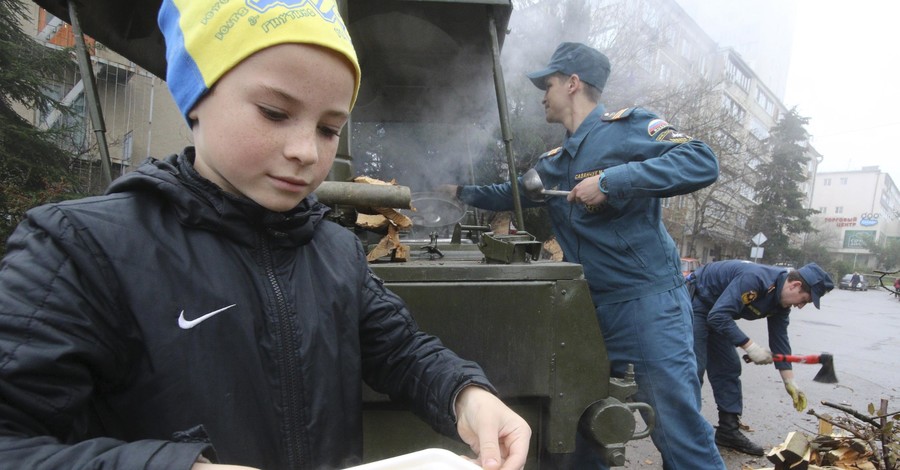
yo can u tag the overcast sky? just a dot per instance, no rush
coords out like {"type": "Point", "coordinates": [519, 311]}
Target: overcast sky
{"type": "Point", "coordinates": [842, 68]}
{"type": "Point", "coordinates": [844, 77]}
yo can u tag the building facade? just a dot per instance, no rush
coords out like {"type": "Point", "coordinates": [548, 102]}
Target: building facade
{"type": "Point", "coordinates": [856, 209]}
{"type": "Point", "coordinates": [712, 224]}
{"type": "Point", "coordinates": [140, 116]}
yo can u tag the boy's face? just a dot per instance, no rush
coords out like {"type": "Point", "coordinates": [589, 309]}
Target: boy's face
{"type": "Point", "coordinates": [792, 295]}
{"type": "Point", "coordinates": [268, 130]}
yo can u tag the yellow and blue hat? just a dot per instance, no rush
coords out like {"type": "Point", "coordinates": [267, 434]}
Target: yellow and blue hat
{"type": "Point", "coordinates": [207, 38]}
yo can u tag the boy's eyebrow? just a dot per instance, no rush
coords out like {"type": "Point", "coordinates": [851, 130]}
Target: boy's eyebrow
{"type": "Point", "coordinates": [283, 95]}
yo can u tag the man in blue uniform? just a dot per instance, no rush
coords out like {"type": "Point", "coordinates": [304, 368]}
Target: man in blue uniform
{"type": "Point", "coordinates": [725, 291]}
{"type": "Point", "coordinates": [617, 166]}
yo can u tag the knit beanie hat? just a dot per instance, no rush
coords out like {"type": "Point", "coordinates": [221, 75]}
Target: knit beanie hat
{"type": "Point", "coordinates": [207, 38]}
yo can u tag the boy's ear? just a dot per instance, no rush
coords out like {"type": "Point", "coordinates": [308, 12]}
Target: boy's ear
{"type": "Point", "coordinates": [192, 117]}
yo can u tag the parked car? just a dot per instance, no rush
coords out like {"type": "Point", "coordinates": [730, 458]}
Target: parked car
{"type": "Point", "coordinates": [845, 283]}
{"type": "Point", "coordinates": [787, 267]}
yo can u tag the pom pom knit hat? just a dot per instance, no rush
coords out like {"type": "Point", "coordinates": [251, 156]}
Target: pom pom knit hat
{"type": "Point", "coordinates": [207, 38]}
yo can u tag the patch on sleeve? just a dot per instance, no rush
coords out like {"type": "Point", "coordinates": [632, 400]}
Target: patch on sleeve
{"type": "Point", "coordinates": [551, 153]}
{"type": "Point", "coordinates": [671, 135]}
{"type": "Point", "coordinates": [656, 126]}
{"type": "Point", "coordinates": [748, 297]}
{"type": "Point", "coordinates": [615, 116]}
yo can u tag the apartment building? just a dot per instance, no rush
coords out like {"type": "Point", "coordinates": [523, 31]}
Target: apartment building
{"type": "Point", "coordinates": [686, 53]}
{"type": "Point", "coordinates": [140, 117]}
{"type": "Point", "coordinates": [857, 208]}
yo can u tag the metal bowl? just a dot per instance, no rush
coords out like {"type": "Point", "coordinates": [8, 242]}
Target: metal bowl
{"type": "Point", "coordinates": [434, 210]}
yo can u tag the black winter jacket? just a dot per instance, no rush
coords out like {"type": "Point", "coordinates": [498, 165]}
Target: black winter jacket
{"type": "Point", "coordinates": [168, 318]}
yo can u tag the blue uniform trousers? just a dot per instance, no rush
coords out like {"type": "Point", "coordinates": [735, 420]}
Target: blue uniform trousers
{"type": "Point", "coordinates": [655, 334]}
{"type": "Point", "coordinates": [719, 359]}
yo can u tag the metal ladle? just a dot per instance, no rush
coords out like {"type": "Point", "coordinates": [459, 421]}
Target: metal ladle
{"type": "Point", "coordinates": [534, 187]}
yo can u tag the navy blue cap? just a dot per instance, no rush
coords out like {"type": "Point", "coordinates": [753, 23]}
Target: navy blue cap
{"type": "Point", "coordinates": [819, 281]}
{"type": "Point", "coordinates": [572, 58]}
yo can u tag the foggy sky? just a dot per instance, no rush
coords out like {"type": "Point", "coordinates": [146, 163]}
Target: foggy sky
{"type": "Point", "coordinates": [841, 68]}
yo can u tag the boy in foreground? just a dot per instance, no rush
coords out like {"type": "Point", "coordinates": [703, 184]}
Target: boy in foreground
{"type": "Point", "coordinates": [204, 310]}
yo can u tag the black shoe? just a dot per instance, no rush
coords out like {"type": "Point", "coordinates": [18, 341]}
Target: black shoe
{"type": "Point", "coordinates": [728, 434]}
{"type": "Point", "coordinates": [737, 441]}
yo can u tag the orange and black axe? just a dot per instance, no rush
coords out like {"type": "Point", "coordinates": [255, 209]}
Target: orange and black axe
{"type": "Point", "coordinates": [826, 374]}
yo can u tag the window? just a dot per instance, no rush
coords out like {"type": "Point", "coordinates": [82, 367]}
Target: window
{"type": "Point", "coordinates": [758, 128]}
{"type": "Point", "coordinates": [728, 141]}
{"type": "Point", "coordinates": [665, 73]}
{"type": "Point", "coordinates": [687, 49]}
{"type": "Point", "coordinates": [701, 66]}
{"type": "Point", "coordinates": [839, 210]}
{"type": "Point", "coordinates": [844, 181]}
{"type": "Point", "coordinates": [823, 210]}
{"type": "Point", "coordinates": [826, 182]}
{"type": "Point", "coordinates": [766, 102]}
{"type": "Point", "coordinates": [737, 75]}
{"type": "Point", "coordinates": [127, 149]}
{"type": "Point", "coordinates": [733, 108]}
{"type": "Point", "coordinates": [717, 210]}
{"type": "Point", "coordinates": [646, 61]}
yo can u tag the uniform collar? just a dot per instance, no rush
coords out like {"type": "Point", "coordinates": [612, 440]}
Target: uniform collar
{"type": "Point", "coordinates": [779, 285]}
{"type": "Point", "coordinates": [573, 141]}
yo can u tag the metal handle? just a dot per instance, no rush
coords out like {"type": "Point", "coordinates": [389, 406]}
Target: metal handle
{"type": "Point", "coordinates": [649, 418]}
{"type": "Point", "coordinates": [554, 192]}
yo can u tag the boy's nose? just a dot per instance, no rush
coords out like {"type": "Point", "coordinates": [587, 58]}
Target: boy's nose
{"type": "Point", "coordinates": [301, 145]}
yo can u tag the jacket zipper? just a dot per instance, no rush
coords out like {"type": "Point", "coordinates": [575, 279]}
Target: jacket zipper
{"type": "Point", "coordinates": [294, 437]}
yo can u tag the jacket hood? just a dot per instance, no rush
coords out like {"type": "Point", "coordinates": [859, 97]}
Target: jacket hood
{"type": "Point", "coordinates": [199, 203]}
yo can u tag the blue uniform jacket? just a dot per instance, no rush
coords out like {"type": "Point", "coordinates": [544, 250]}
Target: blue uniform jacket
{"type": "Point", "coordinates": [624, 247]}
{"type": "Point", "coordinates": [730, 290]}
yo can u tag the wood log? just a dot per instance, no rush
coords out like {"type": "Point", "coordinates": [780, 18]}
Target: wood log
{"type": "Point", "coordinates": [794, 453]}
{"type": "Point", "coordinates": [371, 221]}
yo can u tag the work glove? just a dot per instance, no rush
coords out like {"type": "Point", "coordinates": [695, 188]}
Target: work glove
{"type": "Point", "coordinates": [759, 354]}
{"type": "Point", "coordinates": [796, 394]}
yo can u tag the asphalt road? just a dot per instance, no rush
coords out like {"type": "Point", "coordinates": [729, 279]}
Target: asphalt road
{"type": "Point", "coordinates": [859, 328]}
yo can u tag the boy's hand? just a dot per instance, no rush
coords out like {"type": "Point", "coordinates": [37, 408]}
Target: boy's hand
{"type": "Point", "coordinates": [496, 433]}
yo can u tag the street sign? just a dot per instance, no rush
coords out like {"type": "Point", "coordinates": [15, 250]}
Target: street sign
{"type": "Point", "coordinates": [759, 239]}
{"type": "Point", "coordinates": [756, 252]}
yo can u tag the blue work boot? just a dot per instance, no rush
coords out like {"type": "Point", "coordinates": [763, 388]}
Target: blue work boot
{"type": "Point", "coordinates": [728, 434]}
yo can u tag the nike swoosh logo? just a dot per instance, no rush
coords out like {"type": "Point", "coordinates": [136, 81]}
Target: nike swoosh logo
{"type": "Point", "coordinates": [185, 324]}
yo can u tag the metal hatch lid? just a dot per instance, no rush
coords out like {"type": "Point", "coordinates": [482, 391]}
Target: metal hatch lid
{"type": "Point", "coordinates": [130, 27]}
